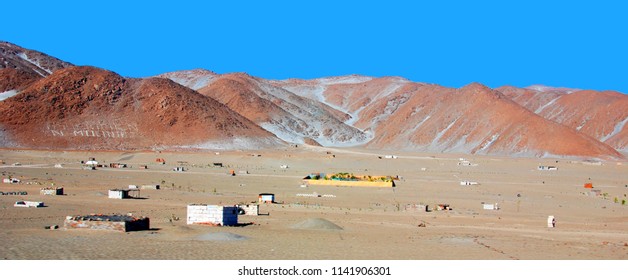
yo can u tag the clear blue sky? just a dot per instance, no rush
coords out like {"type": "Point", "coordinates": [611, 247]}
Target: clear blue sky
{"type": "Point", "coordinates": [451, 43]}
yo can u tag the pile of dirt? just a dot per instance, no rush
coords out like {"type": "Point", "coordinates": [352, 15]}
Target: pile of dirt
{"type": "Point", "coordinates": [316, 223]}
{"type": "Point", "coordinates": [220, 236]}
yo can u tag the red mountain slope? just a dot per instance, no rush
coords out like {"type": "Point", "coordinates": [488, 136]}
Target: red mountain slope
{"type": "Point", "coordinates": [90, 108]}
{"type": "Point", "coordinates": [290, 117]}
{"type": "Point", "coordinates": [473, 119]}
{"type": "Point", "coordinates": [600, 114]}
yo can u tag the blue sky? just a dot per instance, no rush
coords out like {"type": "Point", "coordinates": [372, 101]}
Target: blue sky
{"type": "Point", "coordinates": [452, 43]}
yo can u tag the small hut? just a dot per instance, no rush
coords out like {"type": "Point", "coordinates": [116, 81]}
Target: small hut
{"type": "Point", "coordinates": [551, 222]}
{"type": "Point", "coordinates": [118, 194]}
{"type": "Point", "coordinates": [266, 198]}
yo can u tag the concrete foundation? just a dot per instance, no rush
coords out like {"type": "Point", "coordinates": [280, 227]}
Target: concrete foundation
{"type": "Point", "coordinates": [28, 204]}
{"type": "Point", "coordinates": [121, 223]}
{"type": "Point", "coordinates": [249, 209]}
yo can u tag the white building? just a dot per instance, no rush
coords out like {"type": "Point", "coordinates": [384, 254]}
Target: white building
{"type": "Point", "coordinates": [551, 222]}
{"type": "Point", "coordinates": [118, 194]}
{"type": "Point", "coordinates": [11, 181]}
{"type": "Point", "coordinates": [266, 198]}
{"type": "Point", "coordinates": [468, 183]}
{"type": "Point", "coordinates": [544, 167]}
{"type": "Point", "coordinates": [466, 163]}
{"type": "Point", "coordinates": [51, 191]}
{"type": "Point", "coordinates": [493, 206]}
{"type": "Point", "coordinates": [203, 214]}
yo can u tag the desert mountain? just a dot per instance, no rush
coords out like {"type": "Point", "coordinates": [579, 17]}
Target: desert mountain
{"type": "Point", "coordinates": [600, 114]}
{"type": "Point", "coordinates": [91, 108]}
{"type": "Point", "coordinates": [422, 117]}
{"type": "Point", "coordinates": [291, 117]}
{"type": "Point", "coordinates": [46, 103]}
{"type": "Point", "coordinates": [194, 79]}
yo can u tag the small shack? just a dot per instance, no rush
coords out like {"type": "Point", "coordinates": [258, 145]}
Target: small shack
{"type": "Point", "coordinates": [11, 181]}
{"type": "Point", "coordinates": [215, 215]}
{"type": "Point", "coordinates": [442, 207]}
{"type": "Point", "coordinates": [117, 165]}
{"type": "Point", "coordinates": [266, 198]}
{"type": "Point", "coordinates": [493, 206]}
{"type": "Point", "coordinates": [114, 222]}
{"type": "Point", "coordinates": [28, 204]}
{"type": "Point", "coordinates": [119, 194]}
{"type": "Point", "coordinates": [466, 163]}
{"type": "Point", "coordinates": [545, 167]}
{"type": "Point", "coordinates": [51, 191]}
{"type": "Point", "coordinates": [417, 207]}
{"type": "Point", "coordinates": [468, 183]}
{"type": "Point", "coordinates": [149, 187]}
{"type": "Point", "coordinates": [551, 222]}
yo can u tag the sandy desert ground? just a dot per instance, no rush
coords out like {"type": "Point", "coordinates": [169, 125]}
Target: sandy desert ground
{"type": "Point", "coordinates": [377, 223]}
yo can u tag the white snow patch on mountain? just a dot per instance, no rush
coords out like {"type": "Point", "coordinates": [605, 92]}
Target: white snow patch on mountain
{"type": "Point", "coordinates": [383, 94]}
{"type": "Point", "coordinates": [36, 63]}
{"type": "Point", "coordinates": [191, 78]}
{"type": "Point", "coordinates": [489, 142]}
{"type": "Point", "coordinates": [540, 109]}
{"type": "Point", "coordinates": [542, 88]}
{"type": "Point", "coordinates": [352, 79]}
{"type": "Point", "coordinates": [7, 94]}
{"type": "Point", "coordinates": [618, 127]}
{"type": "Point", "coordinates": [441, 133]}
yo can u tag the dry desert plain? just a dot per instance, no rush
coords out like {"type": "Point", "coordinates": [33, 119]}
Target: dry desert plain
{"type": "Point", "coordinates": [377, 223]}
